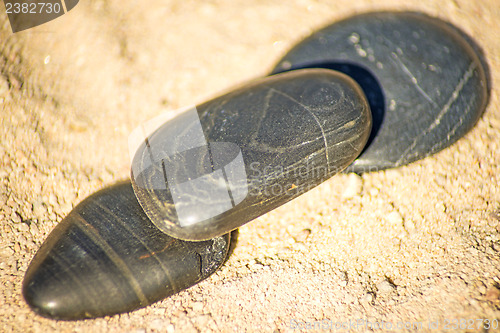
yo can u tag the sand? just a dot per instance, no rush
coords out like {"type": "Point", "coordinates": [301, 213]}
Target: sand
{"type": "Point", "coordinates": [414, 247]}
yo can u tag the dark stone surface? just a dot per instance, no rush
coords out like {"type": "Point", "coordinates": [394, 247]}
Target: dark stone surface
{"type": "Point", "coordinates": [243, 154]}
{"type": "Point", "coordinates": [425, 84]}
{"type": "Point", "coordinates": [106, 257]}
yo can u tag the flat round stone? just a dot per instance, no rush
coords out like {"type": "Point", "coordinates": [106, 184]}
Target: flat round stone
{"type": "Point", "coordinates": [227, 161]}
{"type": "Point", "coordinates": [425, 84]}
{"type": "Point", "coordinates": [106, 257]}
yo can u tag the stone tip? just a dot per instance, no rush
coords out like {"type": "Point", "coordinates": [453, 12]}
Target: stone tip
{"type": "Point", "coordinates": [44, 297]}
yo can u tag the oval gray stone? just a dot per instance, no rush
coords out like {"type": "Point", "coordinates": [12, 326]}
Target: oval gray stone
{"type": "Point", "coordinates": [214, 168]}
{"type": "Point", "coordinates": [106, 257]}
{"type": "Point", "coordinates": [425, 84]}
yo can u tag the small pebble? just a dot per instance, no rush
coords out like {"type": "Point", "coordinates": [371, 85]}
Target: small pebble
{"type": "Point", "coordinates": [4, 86]}
{"type": "Point", "coordinates": [197, 306]}
{"type": "Point", "coordinates": [6, 252]}
{"type": "Point", "coordinates": [344, 279]}
{"type": "Point", "coordinates": [496, 247]}
{"type": "Point", "coordinates": [52, 200]}
{"type": "Point", "coordinates": [409, 226]}
{"type": "Point", "coordinates": [495, 215]}
{"type": "Point", "coordinates": [22, 227]}
{"type": "Point", "coordinates": [440, 207]}
{"type": "Point", "coordinates": [15, 217]}
{"type": "Point", "coordinates": [367, 298]}
{"type": "Point", "coordinates": [385, 287]}
{"type": "Point", "coordinates": [394, 218]}
{"type": "Point", "coordinates": [39, 209]}
{"type": "Point", "coordinates": [302, 236]}
{"type": "Point", "coordinates": [493, 294]}
{"type": "Point", "coordinates": [157, 324]}
{"type": "Point", "coordinates": [354, 186]}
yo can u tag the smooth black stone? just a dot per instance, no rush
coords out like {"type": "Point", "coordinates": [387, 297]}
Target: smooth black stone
{"type": "Point", "coordinates": [106, 257]}
{"type": "Point", "coordinates": [251, 150]}
{"type": "Point", "coordinates": [425, 84]}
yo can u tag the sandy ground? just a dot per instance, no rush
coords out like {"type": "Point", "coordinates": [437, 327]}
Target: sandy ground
{"type": "Point", "coordinates": [414, 245]}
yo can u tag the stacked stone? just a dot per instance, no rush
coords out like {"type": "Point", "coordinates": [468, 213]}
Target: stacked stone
{"type": "Point", "coordinates": [372, 92]}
